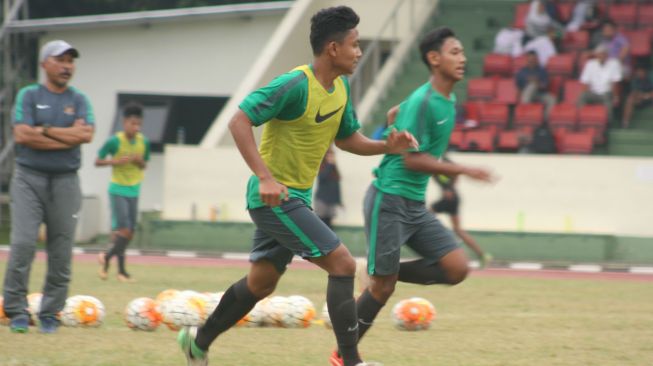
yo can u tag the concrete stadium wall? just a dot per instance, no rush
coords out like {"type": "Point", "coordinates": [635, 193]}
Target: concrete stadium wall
{"type": "Point", "coordinates": [205, 58]}
{"type": "Point", "coordinates": [550, 194]}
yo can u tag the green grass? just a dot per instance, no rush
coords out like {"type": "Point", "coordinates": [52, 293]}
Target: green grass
{"type": "Point", "coordinates": [484, 321]}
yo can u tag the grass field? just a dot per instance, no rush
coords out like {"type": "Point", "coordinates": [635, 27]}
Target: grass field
{"type": "Point", "coordinates": [487, 320]}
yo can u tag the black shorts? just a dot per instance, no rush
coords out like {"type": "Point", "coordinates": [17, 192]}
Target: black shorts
{"type": "Point", "coordinates": [287, 230]}
{"type": "Point", "coordinates": [444, 205]}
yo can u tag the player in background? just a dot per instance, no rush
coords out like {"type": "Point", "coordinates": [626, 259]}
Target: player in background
{"type": "Point", "coordinates": [129, 151]}
{"type": "Point", "coordinates": [303, 112]}
{"type": "Point", "coordinates": [394, 208]}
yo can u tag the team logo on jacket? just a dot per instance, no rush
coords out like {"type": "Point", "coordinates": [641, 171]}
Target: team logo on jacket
{"type": "Point", "coordinates": [69, 110]}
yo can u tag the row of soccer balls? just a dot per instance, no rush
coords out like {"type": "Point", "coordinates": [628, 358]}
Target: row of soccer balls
{"type": "Point", "coordinates": [176, 309]}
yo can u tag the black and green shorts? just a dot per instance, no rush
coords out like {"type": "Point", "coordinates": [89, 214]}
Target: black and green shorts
{"type": "Point", "coordinates": [392, 221]}
{"type": "Point", "coordinates": [290, 229]}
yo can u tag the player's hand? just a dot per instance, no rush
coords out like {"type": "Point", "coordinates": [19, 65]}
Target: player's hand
{"type": "Point", "coordinates": [399, 142]}
{"type": "Point", "coordinates": [272, 192]}
{"type": "Point", "coordinates": [479, 174]}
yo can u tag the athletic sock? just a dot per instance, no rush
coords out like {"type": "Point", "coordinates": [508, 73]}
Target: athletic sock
{"type": "Point", "coordinates": [342, 311]}
{"type": "Point", "coordinates": [120, 247]}
{"type": "Point", "coordinates": [236, 302]}
{"type": "Point", "coordinates": [368, 308]}
{"type": "Point", "coordinates": [420, 272]}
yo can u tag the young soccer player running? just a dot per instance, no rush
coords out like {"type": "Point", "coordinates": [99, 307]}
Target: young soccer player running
{"type": "Point", "coordinates": [303, 112]}
{"type": "Point", "coordinates": [394, 207]}
{"type": "Point", "coordinates": [129, 150]}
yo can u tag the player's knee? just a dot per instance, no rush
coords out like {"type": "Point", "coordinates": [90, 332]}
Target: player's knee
{"type": "Point", "coordinates": [457, 275]}
{"type": "Point", "coordinates": [382, 289]}
{"type": "Point", "coordinates": [263, 289]}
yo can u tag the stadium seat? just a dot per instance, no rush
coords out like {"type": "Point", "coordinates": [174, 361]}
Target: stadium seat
{"type": "Point", "coordinates": [563, 116]}
{"type": "Point", "coordinates": [624, 15]}
{"type": "Point", "coordinates": [518, 63]}
{"type": "Point", "coordinates": [531, 114]}
{"type": "Point", "coordinates": [575, 41]}
{"type": "Point", "coordinates": [496, 64]}
{"type": "Point", "coordinates": [572, 91]}
{"type": "Point", "coordinates": [471, 110]}
{"type": "Point", "coordinates": [456, 139]}
{"type": "Point", "coordinates": [645, 15]}
{"type": "Point", "coordinates": [640, 43]}
{"type": "Point", "coordinates": [555, 85]}
{"type": "Point", "coordinates": [508, 140]}
{"type": "Point", "coordinates": [593, 118]}
{"type": "Point", "coordinates": [565, 10]}
{"type": "Point", "coordinates": [519, 19]}
{"type": "Point", "coordinates": [481, 89]}
{"type": "Point", "coordinates": [561, 64]}
{"type": "Point", "coordinates": [478, 140]}
{"type": "Point", "coordinates": [506, 92]}
{"type": "Point", "coordinates": [495, 114]}
{"type": "Point", "coordinates": [576, 143]}
{"type": "Point", "coordinates": [583, 57]}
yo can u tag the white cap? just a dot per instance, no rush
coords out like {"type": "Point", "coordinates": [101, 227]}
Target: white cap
{"type": "Point", "coordinates": [57, 48]}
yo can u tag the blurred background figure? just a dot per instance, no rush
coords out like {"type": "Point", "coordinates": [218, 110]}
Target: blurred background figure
{"type": "Point", "coordinates": [641, 94]}
{"type": "Point", "coordinates": [327, 195]}
{"type": "Point", "coordinates": [533, 83]}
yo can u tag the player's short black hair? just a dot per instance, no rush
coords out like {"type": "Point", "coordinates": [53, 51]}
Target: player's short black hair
{"type": "Point", "coordinates": [132, 109]}
{"type": "Point", "coordinates": [331, 24]}
{"type": "Point", "coordinates": [433, 41]}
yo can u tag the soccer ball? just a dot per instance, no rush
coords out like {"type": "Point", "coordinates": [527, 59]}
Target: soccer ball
{"type": "Point", "coordinates": [415, 313]}
{"type": "Point", "coordinates": [212, 299]}
{"type": "Point", "coordinates": [166, 295]}
{"type": "Point", "coordinates": [34, 306]}
{"type": "Point", "coordinates": [300, 312]}
{"type": "Point", "coordinates": [275, 311]}
{"type": "Point", "coordinates": [255, 316]}
{"type": "Point", "coordinates": [4, 320]}
{"type": "Point", "coordinates": [142, 314]}
{"type": "Point", "coordinates": [325, 317]}
{"type": "Point", "coordinates": [82, 311]}
{"type": "Point", "coordinates": [163, 299]}
{"type": "Point", "coordinates": [183, 311]}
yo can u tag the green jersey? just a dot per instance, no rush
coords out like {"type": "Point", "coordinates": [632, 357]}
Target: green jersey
{"type": "Point", "coordinates": [301, 120]}
{"type": "Point", "coordinates": [430, 117]}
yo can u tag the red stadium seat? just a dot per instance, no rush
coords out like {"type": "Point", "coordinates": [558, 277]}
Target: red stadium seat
{"type": "Point", "coordinates": [576, 143]}
{"type": "Point", "coordinates": [508, 140]}
{"type": "Point", "coordinates": [572, 91]}
{"type": "Point", "coordinates": [529, 115]}
{"type": "Point", "coordinates": [594, 118]}
{"type": "Point", "coordinates": [506, 92]}
{"type": "Point", "coordinates": [576, 41]}
{"type": "Point", "coordinates": [561, 64]}
{"type": "Point", "coordinates": [478, 140]}
{"type": "Point", "coordinates": [496, 64]}
{"type": "Point", "coordinates": [519, 19]}
{"type": "Point", "coordinates": [519, 63]}
{"type": "Point", "coordinates": [640, 43]}
{"type": "Point", "coordinates": [565, 10]}
{"type": "Point", "coordinates": [563, 116]}
{"type": "Point", "coordinates": [623, 14]}
{"type": "Point", "coordinates": [481, 89]}
{"type": "Point", "coordinates": [645, 15]}
{"type": "Point", "coordinates": [456, 138]}
{"type": "Point", "coordinates": [495, 114]}
{"type": "Point", "coordinates": [555, 84]}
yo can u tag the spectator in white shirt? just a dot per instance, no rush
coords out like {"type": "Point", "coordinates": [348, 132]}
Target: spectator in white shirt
{"type": "Point", "coordinates": [538, 21]}
{"type": "Point", "coordinates": [544, 46]}
{"type": "Point", "coordinates": [600, 77]}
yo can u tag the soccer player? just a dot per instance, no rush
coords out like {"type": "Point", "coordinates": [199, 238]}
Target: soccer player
{"type": "Point", "coordinates": [129, 151]}
{"type": "Point", "coordinates": [395, 212]}
{"type": "Point", "coordinates": [303, 111]}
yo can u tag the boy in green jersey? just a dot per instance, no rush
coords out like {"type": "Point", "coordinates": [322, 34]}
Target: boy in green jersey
{"type": "Point", "coordinates": [302, 112]}
{"type": "Point", "coordinates": [394, 207]}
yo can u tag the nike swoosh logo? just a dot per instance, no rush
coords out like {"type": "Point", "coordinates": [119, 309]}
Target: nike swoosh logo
{"type": "Point", "coordinates": [441, 122]}
{"type": "Point", "coordinates": [42, 106]}
{"type": "Point", "coordinates": [321, 118]}
{"type": "Point", "coordinates": [351, 329]}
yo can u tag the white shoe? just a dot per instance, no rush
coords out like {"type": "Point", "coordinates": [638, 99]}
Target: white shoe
{"type": "Point", "coordinates": [363, 279]}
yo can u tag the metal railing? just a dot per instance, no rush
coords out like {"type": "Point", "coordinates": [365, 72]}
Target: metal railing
{"type": "Point", "coordinates": [372, 60]}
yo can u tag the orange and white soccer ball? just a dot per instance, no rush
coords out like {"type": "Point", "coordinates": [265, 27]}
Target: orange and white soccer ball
{"type": "Point", "coordinates": [143, 314]}
{"type": "Point", "coordinates": [183, 311]}
{"type": "Point", "coordinates": [34, 306]}
{"type": "Point", "coordinates": [415, 313]}
{"type": "Point", "coordinates": [300, 312]}
{"type": "Point", "coordinates": [255, 317]}
{"type": "Point", "coordinates": [82, 311]}
{"type": "Point", "coordinates": [4, 320]}
{"type": "Point", "coordinates": [326, 318]}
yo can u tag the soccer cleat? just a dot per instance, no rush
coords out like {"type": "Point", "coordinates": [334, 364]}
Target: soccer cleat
{"type": "Point", "coordinates": [48, 325]}
{"type": "Point", "coordinates": [335, 359]}
{"type": "Point", "coordinates": [19, 324]}
{"type": "Point", "coordinates": [194, 355]}
{"type": "Point", "coordinates": [363, 279]}
{"type": "Point", "coordinates": [101, 272]}
{"type": "Point", "coordinates": [125, 277]}
{"type": "Point", "coordinates": [485, 260]}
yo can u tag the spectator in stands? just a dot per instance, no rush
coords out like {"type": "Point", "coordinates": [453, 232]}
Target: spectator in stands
{"type": "Point", "coordinates": [584, 16]}
{"type": "Point", "coordinates": [509, 42]}
{"type": "Point", "coordinates": [532, 81]}
{"type": "Point", "coordinates": [545, 46]}
{"type": "Point", "coordinates": [617, 45]}
{"type": "Point", "coordinates": [601, 76]}
{"type": "Point", "coordinates": [538, 21]}
{"type": "Point", "coordinates": [327, 195]}
{"type": "Point", "coordinates": [641, 94]}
